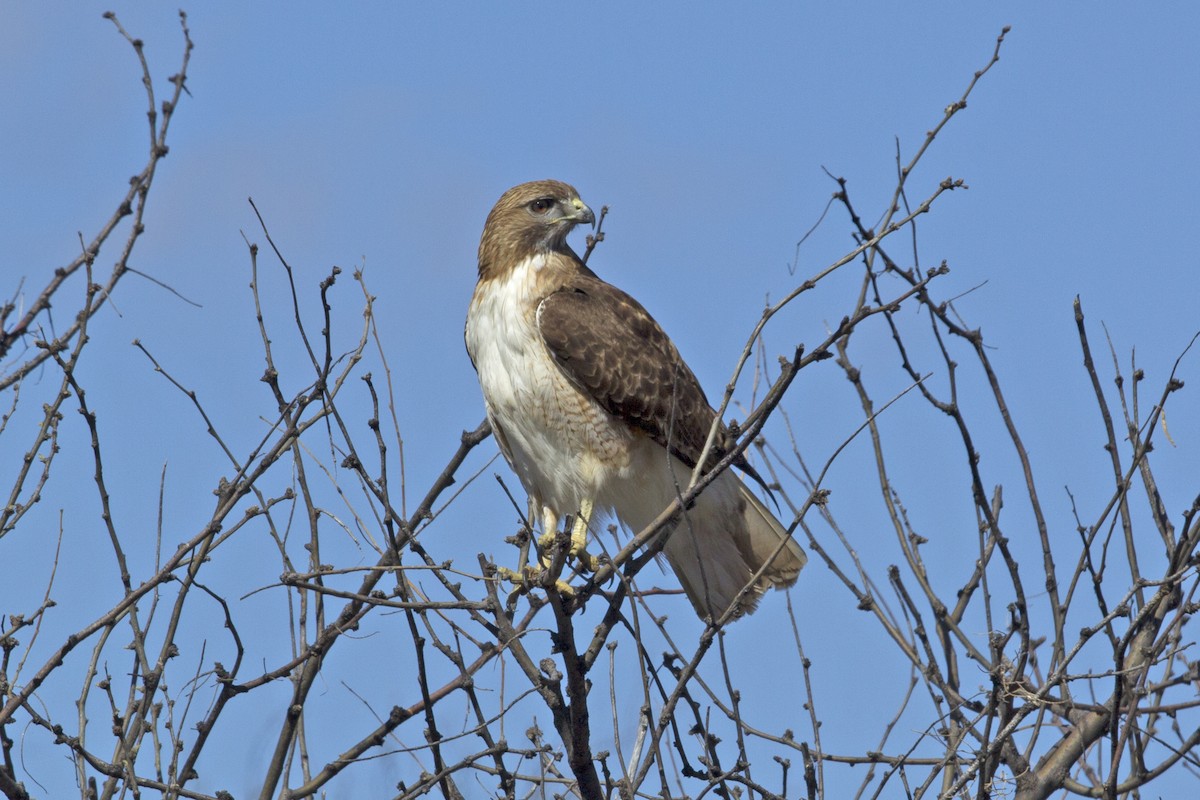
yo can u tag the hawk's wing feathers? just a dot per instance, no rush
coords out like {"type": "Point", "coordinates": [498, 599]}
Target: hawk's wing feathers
{"type": "Point", "coordinates": [613, 350]}
{"type": "Point", "coordinates": [610, 347]}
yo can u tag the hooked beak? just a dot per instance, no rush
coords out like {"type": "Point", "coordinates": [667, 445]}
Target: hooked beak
{"type": "Point", "coordinates": [582, 213]}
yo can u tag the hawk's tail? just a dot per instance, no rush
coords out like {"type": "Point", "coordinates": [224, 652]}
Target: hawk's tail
{"type": "Point", "coordinates": [723, 542]}
{"type": "Point", "coordinates": [764, 534]}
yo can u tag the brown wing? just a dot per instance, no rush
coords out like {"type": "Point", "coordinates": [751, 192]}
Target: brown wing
{"type": "Point", "coordinates": [613, 350]}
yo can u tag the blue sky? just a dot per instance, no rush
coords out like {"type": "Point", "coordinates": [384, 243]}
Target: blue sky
{"type": "Point", "coordinates": [381, 134]}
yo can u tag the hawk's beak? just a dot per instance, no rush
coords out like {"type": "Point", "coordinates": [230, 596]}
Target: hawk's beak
{"type": "Point", "coordinates": [582, 213]}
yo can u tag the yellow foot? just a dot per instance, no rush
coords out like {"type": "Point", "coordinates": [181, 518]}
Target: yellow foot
{"type": "Point", "coordinates": [545, 546]}
{"type": "Point", "coordinates": [565, 589]}
{"type": "Point", "coordinates": [579, 533]}
{"type": "Point", "coordinates": [515, 576]}
{"type": "Point", "coordinates": [522, 580]}
{"type": "Point", "coordinates": [576, 548]}
{"type": "Point", "coordinates": [527, 579]}
{"type": "Point", "coordinates": [587, 561]}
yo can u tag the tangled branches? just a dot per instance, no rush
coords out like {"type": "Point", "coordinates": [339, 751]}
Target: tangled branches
{"type": "Point", "coordinates": [313, 621]}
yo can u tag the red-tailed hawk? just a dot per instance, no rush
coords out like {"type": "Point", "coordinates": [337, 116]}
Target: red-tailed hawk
{"type": "Point", "coordinates": [596, 411]}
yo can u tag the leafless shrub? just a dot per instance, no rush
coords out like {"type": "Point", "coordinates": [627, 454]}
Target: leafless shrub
{"type": "Point", "coordinates": [1070, 672]}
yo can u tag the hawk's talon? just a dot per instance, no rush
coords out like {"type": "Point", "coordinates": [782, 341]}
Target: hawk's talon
{"type": "Point", "coordinates": [512, 575]}
{"type": "Point", "coordinates": [576, 547]}
{"type": "Point", "coordinates": [587, 561]}
{"type": "Point", "coordinates": [565, 589]}
{"type": "Point", "coordinates": [579, 532]}
{"type": "Point", "coordinates": [522, 580]}
{"type": "Point", "coordinates": [545, 548]}
{"type": "Point", "coordinates": [527, 579]}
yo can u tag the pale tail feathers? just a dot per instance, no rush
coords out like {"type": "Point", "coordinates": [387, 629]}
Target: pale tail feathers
{"type": "Point", "coordinates": [723, 541]}
{"type": "Point", "coordinates": [765, 534]}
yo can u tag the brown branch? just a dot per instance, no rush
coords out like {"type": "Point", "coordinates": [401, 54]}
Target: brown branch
{"type": "Point", "coordinates": [132, 204]}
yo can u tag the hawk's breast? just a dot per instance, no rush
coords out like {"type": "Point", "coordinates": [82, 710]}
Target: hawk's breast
{"type": "Point", "coordinates": [563, 446]}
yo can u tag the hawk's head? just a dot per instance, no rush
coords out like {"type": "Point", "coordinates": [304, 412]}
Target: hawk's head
{"type": "Point", "coordinates": [530, 218]}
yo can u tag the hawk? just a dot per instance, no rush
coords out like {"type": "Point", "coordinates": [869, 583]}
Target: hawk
{"type": "Point", "coordinates": [597, 413]}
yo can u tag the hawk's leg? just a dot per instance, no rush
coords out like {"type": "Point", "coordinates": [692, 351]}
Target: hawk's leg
{"type": "Point", "coordinates": [579, 533]}
{"type": "Point", "coordinates": [529, 576]}
{"type": "Point", "coordinates": [579, 541]}
{"type": "Point", "coordinates": [551, 558]}
{"type": "Point", "coordinates": [546, 540]}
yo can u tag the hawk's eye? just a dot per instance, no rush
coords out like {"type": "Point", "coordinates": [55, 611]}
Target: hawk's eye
{"type": "Point", "coordinates": [542, 205]}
